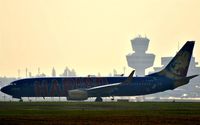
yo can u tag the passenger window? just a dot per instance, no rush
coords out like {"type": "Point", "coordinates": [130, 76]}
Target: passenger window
{"type": "Point", "coordinates": [13, 83]}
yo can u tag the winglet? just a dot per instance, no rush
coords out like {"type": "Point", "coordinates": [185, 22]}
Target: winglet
{"type": "Point", "coordinates": [130, 77]}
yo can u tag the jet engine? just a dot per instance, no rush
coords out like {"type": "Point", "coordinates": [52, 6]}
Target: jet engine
{"type": "Point", "coordinates": [77, 94]}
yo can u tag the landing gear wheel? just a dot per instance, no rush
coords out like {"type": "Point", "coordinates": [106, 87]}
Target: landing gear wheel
{"type": "Point", "coordinates": [21, 100]}
{"type": "Point", "coordinates": [98, 99]}
{"type": "Point", "coordinates": [112, 98]}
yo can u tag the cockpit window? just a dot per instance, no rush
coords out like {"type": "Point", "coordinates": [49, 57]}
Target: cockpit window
{"type": "Point", "coordinates": [13, 83]}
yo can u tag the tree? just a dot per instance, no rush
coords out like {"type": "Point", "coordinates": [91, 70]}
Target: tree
{"type": "Point", "coordinates": [73, 72]}
{"type": "Point", "coordinates": [114, 72]}
{"type": "Point", "coordinates": [42, 75]}
{"type": "Point", "coordinates": [99, 74]}
{"type": "Point", "coordinates": [30, 74]}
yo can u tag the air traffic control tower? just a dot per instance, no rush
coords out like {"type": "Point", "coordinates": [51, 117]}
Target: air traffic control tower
{"type": "Point", "coordinates": [140, 60]}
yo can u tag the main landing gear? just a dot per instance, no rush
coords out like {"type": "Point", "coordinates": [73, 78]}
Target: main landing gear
{"type": "Point", "coordinates": [112, 98]}
{"type": "Point", "coordinates": [98, 99]}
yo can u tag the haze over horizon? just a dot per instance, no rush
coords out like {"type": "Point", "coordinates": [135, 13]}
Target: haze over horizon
{"type": "Point", "coordinates": [91, 36]}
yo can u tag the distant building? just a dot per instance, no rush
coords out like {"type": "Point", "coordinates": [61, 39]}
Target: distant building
{"type": "Point", "coordinates": [140, 60]}
{"type": "Point", "coordinates": [53, 73]}
{"type": "Point", "coordinates": [68, 72]}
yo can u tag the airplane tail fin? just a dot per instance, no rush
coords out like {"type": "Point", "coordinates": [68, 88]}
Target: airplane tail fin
{"type": "Point", "coordinates": [178, 66]}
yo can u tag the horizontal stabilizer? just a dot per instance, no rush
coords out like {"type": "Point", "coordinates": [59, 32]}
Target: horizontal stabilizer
{"type": "Point", "coordinates": [190, 77]}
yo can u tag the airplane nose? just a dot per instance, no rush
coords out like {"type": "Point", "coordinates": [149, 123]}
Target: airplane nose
{"type": "Point", "coordinates": [3, 89]}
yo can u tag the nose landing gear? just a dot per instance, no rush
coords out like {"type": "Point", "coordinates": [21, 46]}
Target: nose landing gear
{"type": "Point", "coordinates": [20, 100]}
{"type": "Point", "coordinates": [98, 99]}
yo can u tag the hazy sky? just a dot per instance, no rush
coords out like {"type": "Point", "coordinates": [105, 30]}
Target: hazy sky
{"type": "Point", "coordinates": [91, 36]}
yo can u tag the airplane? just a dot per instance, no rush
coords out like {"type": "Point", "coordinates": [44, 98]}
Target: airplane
{"type": "Point", "coordinates": [82, 88]}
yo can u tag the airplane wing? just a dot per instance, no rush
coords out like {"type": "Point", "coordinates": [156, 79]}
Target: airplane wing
{"type": "Point", "coordinates": [109, 88]}
{"type": "Point", "coordinates": [98, 91]}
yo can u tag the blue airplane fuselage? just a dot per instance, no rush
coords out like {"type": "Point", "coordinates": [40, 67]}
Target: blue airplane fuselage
{"type": "Point", "coordinates": [59, 86]}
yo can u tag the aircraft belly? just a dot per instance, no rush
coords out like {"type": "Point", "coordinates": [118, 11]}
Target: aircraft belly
{"type": "Point", "coordinates": [134, 90]}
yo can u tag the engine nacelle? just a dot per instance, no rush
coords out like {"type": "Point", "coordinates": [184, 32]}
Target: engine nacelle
{"type": "Point", "coordinates": [77, 94]}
